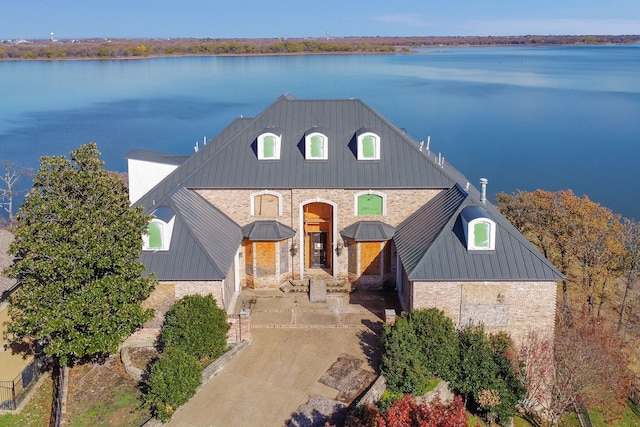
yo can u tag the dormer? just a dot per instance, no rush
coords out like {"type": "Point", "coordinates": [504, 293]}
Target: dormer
{"type": "Point", "coordinates": [368, 144]}
{"type": "Point", "coordinates": [316, 144]}
{"type": "Point", "coordinates": [268, 144]}
{"type": "Point", "coordinates": [159, 230]}
{"type": "Point", "coordinates": [479, 229]}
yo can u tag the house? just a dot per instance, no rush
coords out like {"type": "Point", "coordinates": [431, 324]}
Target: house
{"type": "Point", "coordinates": [332, 186]}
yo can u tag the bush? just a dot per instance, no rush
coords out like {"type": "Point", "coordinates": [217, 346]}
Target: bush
{"type": "Point", "coordinates": [173, 380]}
{"type": "Point", "coordinates": [196, 325]}
{"type": "Point", "coordinates": [438, 341]}
{"type": "Point", "coordinates": [417, 348]}
{"type": "Point", "coordinates": [402, 363]}
{"type": "Point", "coordinates": [486, 376]}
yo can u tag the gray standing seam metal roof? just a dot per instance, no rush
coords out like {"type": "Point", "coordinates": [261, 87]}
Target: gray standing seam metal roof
{"type": "Point", "coordinates": [267, 231]}
{"type": "Point", "coordinates": [428, 242]}
{"type": "Point", "coordinates": [6, 260]}
{"type": "Point", "coordinates": [230, 160]}
{"type": "Point", "coordinates": [431, 246]}
{"type": "Point", "coordinates": [156, 157]}
{"type": "Point", "coordinates": [203, 245]}
{"type": "Point", "coordinates": [368, 231]}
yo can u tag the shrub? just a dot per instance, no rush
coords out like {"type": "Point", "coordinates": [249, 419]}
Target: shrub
{"type": "Point", "coordinates": [196, 325]}
{"type": "Point", "coordinates": [486, 376]}
{"type": "Point", "coordinates": [173, 380]}
{"type": "Point", "coordinates": [438, 341]}
{"type": "Point", "coordinates": [402, 363]}
{"type": "Point", "coordinates": [417, 348]}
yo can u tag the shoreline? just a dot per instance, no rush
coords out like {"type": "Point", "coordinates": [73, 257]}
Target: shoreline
{"type": "Point", "coordinates": [124, 49]}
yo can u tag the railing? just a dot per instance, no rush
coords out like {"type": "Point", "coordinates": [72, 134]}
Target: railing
{"type": "Point", "coordinates": [13, 392]}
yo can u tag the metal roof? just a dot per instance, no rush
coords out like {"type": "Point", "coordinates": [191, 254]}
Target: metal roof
{"type": "Point", "coordinates": [267, 231]}
{"type": "Point", "coordinates": [6, 260]}
{"type": "Point", "coordinates": [368, 231]}
{"type": "Point", "coordinates": [203, 243]}
{"type": "Point", "coordinates": [156, 157]}
{"type": "Point", "coordinates": [230, 159]}
{"type": "Point", "coordinates": [431, 246]}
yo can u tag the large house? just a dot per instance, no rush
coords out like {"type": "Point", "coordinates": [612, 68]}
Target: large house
{"type": "Point", "coordinates": [331, 185]}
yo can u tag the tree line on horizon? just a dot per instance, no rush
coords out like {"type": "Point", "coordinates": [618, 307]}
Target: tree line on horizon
{"type": "Point", "coordinates": [139, 48]}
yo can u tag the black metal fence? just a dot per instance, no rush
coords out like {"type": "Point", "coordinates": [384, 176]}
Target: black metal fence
{"type": "Point", "coordinates": [13, 392]}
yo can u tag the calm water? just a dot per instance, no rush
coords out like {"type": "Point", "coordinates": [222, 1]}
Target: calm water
{"type": "Point", "coordinates": [525, 118]}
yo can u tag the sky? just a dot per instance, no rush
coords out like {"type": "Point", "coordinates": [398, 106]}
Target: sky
{"type": "Point", "coordinates": [77, 19]}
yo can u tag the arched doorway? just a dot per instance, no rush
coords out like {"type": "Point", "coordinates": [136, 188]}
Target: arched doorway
{"type": "Point", "coordinates": [318, 232]}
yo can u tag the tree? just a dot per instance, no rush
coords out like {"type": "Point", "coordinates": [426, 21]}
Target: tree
{"type": "Point", "coordinates": [12, 176]}
{"type": "Point", "coordinates": [630, 264]}
{"type": "Point", "coordinates": [76, 243]}
{"type": "Point", "coordinates": [589, 366]}
{"type": "Point", "coordinates": [580, 237]}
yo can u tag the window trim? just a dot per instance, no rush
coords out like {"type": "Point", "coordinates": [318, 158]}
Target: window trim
{"type": "Point", "coordinates": [252, 197]}
{"type": "Point", "coordinates": [166, 230]}
{"type": "Point", "coordinates": [308, 142]}
{"type": "Point", "coordinates": [376, 141]}
{"type": "Point", "coordinates": [261, 144]}
{"type": "Point", "coordinates": [471, 234]}
{"type": "Point", "coordinates": [365, 193]}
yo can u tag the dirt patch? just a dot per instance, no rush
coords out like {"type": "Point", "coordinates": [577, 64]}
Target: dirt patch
{"type": "Point", "coordinates": [141, 357]}
{"type": "Point", "coordinates": [104, 394]}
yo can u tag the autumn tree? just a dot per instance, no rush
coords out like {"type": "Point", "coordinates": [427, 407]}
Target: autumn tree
{"type": "Point", "coordinates": [580, 237]}
{"type": "Point", "coordinates": [630, 265]}
{"type": "Point", "coordinates": [589, 367]}
{"type": "Point", "coordinates": [76, 243]}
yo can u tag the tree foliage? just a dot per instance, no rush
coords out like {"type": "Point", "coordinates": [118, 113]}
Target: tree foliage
{"type": "Point", "coordinates": [583, 239]}
{"type": "Point", "coordinates": [590, 368]}
{"type": "Point", "coordinates": [196, 325]}
{"type": "Point", "coordinates": [407, 411]}
{"type": "Point", "coordinates": [76, 243]}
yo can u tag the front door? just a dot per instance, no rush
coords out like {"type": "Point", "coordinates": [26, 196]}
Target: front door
{"type": "Point", "coordinates": [318, 249]}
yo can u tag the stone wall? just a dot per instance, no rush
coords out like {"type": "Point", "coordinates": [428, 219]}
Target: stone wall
{"type": "Point", "coordinates": [236, 203]}
{"type": "Point", "coordinates": [514, 307]}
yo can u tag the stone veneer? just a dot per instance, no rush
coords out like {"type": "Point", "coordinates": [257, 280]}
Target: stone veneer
{"type": "Point", "coordinates": [514, 307]}
{"type": "Point", "coordinates": [236, 203]}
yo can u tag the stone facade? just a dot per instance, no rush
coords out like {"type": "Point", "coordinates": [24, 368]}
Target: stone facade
{"type": "Point", "coordinates": [514, 307]}
{"type": "Point", "coordinates": [238, 205]}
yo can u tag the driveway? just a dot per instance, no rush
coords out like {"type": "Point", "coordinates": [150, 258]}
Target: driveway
{"type": "Point", "coordinates": [298, 352]}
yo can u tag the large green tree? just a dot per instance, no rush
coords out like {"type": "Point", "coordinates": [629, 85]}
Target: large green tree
{"type": "Point", "coordinates": [76, 244]}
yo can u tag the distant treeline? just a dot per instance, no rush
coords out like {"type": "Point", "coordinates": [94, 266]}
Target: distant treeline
{"type": "Point", "coordinates": [131, 48]}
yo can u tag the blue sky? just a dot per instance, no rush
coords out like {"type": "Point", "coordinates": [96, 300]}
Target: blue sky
{"type": "Point", "coordinates": [29, 19]}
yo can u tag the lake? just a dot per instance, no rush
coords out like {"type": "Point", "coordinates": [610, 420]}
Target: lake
{"type": "Point", "coordinates": [522, 117]}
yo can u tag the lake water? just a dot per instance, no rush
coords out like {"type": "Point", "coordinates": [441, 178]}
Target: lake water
{"type": "Point", "coordinates": [525, 118]}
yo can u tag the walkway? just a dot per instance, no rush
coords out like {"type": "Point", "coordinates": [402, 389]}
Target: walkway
{"type": "Point", "coordinates": [300, 351]}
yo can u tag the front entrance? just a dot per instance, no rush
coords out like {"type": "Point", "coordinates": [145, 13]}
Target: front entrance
{"type": "Point", "coordinates": [318, 249]}
{"type": "Point", "coordinates": [318, 225]}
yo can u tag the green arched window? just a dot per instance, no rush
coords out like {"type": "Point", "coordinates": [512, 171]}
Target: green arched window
{"type": "Point", "coordinates": [370, 204]}
{"type": "Point", "coordinates": [154, 230]}
{"type": "Point", "coordinates": [482, 235]}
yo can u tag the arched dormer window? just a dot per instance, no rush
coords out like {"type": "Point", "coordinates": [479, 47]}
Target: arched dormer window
{"type": "Point", "coordinates": [479, 229]}
{"type": "Point", "coordinates": [157, 235]}
{"type": "Point", "coordinates": [370, 203]}
{"type": "Point", "coordinates": [268, 145]}
{"type": "Point", "coordinates": [368, 145]}
{"type": "Point", "coordinates": [316, 146]}
{"type": "Point", "coordinates": [266, 203]}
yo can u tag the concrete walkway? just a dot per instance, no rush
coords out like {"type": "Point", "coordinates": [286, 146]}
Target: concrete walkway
{"type": "Point", "coordinates": [294, 343]}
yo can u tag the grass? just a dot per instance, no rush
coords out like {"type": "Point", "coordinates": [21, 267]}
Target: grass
{"type": "Point", "coordinates": [121, 407]}
{"type": "Point", "coordinates": [36, 413]}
